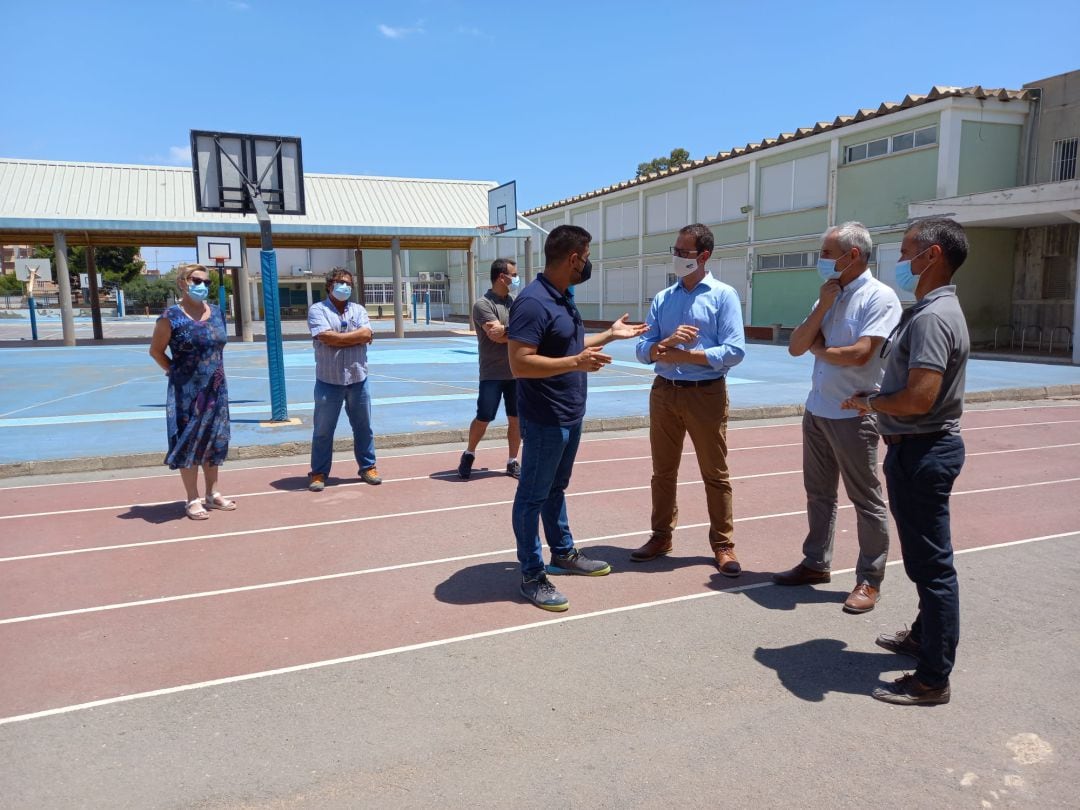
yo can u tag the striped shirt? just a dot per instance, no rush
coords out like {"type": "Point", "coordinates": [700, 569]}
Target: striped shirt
{"type": "Point", "coordinates": [338, 366]}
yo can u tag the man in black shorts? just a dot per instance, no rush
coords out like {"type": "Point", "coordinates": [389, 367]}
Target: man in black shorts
{"type": "Point", "coordinates": [490, 315]}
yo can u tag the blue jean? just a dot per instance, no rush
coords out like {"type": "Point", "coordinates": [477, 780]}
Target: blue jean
{"type": "Point", "coordinates": [920, 473]}
{"type": "Point", "coordinates": [548, 453]}
{"type": "Point", "coordinates": [328, 401]}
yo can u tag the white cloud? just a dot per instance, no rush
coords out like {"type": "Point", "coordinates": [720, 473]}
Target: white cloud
{"type": "Point", "coordinates": [239, 5]}
{"type": "Point", "coordinates": [470, 30]}
{"type": "Point", "coordinates": [398, 32]}
{"type": "Point", "coordinates": [180, 155]}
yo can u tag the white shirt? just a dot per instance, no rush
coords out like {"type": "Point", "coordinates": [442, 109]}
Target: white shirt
{"type": "Point", "coordinates": [864, 308]}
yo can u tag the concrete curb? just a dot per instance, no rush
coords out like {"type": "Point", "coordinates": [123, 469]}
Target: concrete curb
{"type": "Point", "coordinates": [459, 436]}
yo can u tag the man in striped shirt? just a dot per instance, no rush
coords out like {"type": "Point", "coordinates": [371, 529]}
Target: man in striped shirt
{"type": "Point", "coordinates": [340, 331]}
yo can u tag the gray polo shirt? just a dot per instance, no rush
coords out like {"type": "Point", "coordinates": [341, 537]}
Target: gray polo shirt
{"type": "Point", "coordinates": [338, 366]}
{"type": "Point", "coordinates": [494, 357]}
{"type": "Point", "coordinates": [932, 334]}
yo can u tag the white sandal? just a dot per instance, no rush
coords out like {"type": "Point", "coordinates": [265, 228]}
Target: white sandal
{"type": "Point", "coordinates": [196, 511]}
{"type": "Point", "coordinates": [218, 501]}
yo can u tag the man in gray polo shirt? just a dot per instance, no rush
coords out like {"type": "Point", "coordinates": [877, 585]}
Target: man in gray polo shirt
{"type": "Point", "coordinates": [844, 331]}
{"type": "Point", "coordinates": [919, 408]}
{"type": "Point", "coordinates": [340, 331]}
{"type": "Point", "coordinates": [490, 316]}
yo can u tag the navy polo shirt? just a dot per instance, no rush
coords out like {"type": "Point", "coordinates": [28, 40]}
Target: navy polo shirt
{"type": "Point", "coordinates": [543, 317]}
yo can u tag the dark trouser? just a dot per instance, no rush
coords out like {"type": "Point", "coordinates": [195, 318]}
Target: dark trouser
{"type": "Point", "coordinates": [919, 473]}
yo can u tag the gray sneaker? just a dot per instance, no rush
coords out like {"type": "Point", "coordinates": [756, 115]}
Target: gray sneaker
{"type": "Point", "coordinates": [577, 563]}
{"type": "Point", "coordinates": [543, 594]}
{"type": "Point", "coordinates": [513, 468]}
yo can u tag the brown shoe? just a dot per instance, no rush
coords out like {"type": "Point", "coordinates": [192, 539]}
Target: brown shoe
{"type": "Point", "coordinates": [862, 599]}
{"type": "Point", "coordinates": [370, 476]}
{"type": "Point", "coordinates": [899, 642]}
{"type": "Point", "coordinates": [316, 482]}
{"type": "Point", "coordinates": [907, 690]}
{"type": "Point", "coordinates": [727, 562]}
{"type": "Point", "coordinates": [656, 547]}
{"type": "Point", "coordinates": [801, 575]}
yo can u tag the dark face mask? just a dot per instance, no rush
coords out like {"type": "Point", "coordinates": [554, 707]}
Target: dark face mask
{"type": "Point", "coordinates": [586, 272]}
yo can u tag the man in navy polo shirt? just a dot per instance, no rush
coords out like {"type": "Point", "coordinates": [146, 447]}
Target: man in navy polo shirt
{"type": "Point", "coordinates": [550, 356]}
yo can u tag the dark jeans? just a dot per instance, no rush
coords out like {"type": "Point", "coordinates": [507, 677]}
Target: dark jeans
{"type": "Point", "coordinates": [487, 400]}
{"type": "Point", "coordinates": [919, 474]}
{"type": "Point", "coordinates": [548, 453]}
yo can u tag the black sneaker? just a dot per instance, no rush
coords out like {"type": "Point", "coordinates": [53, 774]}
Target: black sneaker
{"type": "Point", "coordinates": [543, 594]}
{"type": "Point", "coordinates": [464, 467]}
{"type": "Point", "coordinates": [899, 642]}
{"type": "Point", "coordinates": [513, 468]}
{"type": "Point", "coordinates": [577, 563]}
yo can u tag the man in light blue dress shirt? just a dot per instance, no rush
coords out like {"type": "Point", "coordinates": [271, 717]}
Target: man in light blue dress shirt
{"type": "Point", "coordinates": [340, 331]}
{"type": "Point", "coordinates": [844, 331]}
{"type": "Point", "coordinates": [694, 336]}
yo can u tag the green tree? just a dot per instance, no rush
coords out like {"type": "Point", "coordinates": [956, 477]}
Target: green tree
{"type": "Point", "coordinates": [150, 291]}
{"type": "Point", "coordinates": [117, 264]}
{"type": "Point", "coordinates": [677, 157]}
{"type": "Point", "coordinates": [9, 285]}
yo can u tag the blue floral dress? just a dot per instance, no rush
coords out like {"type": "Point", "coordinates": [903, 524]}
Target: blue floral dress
{"type": "Point", "coordinates": [197, 408]}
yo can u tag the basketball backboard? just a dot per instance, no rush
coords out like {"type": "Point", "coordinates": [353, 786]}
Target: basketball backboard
{"type": "Point", "coordinates": [212, 248]}
{"type": "Point", "coordinates": [502, 206]}
{"type": "Point", "coordinates": [225, 162]}
{"type": "Point", "coordinates": [43, 266]}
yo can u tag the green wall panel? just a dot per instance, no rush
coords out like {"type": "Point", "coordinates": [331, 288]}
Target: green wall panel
{"type": "Point", "coordinates": [783, 296]}
{"type": "Point", "coordinates": [989, 156]}
{"type": "Point", "coordinates": [797, 223]}
{"type": "Point", "coordinates": [660, 242]}
{"type": "Point", "coordinates": [877, 192]}
{"type": "Point", "coordinates": [424, 261]}
{"type": "Point", "coordinates": [984, 282]}
{"type": "Point", "coordinates": [732, 233]}
{"type": "Point", "coordinates": [620, 248]}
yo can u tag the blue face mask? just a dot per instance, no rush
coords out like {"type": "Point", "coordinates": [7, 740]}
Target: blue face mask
{"type": "Point", "coordinates": [198, 291]}
{"type": "Point", "coordinates": [905, 279]}
{"type": "Point", "coordinates": [515, 282]}
{"type": "Point", "coordinates": [342, 292]}
{"type": "Point", "coordinates": [826, 268]}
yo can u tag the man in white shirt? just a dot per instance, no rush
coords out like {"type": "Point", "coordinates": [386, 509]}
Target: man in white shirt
{"type": "Point", "coordinates": [852, 317]}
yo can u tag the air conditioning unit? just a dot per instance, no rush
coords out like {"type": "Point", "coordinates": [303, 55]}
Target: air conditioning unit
{"type": "Point", "coordinates": [438, 276]}
{"type": "Point", "coordinates": [423, 276]}
{"type": "Point", "coordinates": [300, 271]}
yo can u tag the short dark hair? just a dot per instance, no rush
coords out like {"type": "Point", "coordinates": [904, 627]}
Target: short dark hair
{"type": "Point", "coordinates": [338, 274]}
{"type": "Point", "coordinates": [563, 241]}
{"type": "Point", "coordinates": [946, 233]}
{"type": "Point", "coordinates": [703, 238]}
{"type": "Point", "coordinates": [500, 266]}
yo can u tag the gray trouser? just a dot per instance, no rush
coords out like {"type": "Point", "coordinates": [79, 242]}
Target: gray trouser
{"type": "Point", "coordinates": [848, 449]}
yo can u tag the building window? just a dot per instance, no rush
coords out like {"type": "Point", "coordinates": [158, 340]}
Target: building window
{"type": "Point", "coordinates": [1064, 165]}
{"type": "Point", "coordinates": [901, 142]}
{"type": "Point", "coordinates": [590, 221]}
{"type": "Point", "coordinates": [788, 261]}
{"type": "Point", "coordinates": [621, 221]}
{"type": "Point", "coordinates": [665, 211]}
{"type": "Point", "coordinates": [795, 185]}
{"type": "Point", "coordinates": [723, 200]}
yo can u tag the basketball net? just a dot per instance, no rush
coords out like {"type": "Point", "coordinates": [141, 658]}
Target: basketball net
{"type": "Point", "coordinates": [487, 232]}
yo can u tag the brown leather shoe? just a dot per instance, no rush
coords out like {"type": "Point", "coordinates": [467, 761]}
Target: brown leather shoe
{"type": "Point", "coordinates": [862, 599]}
{"type": "Point", "coordinates": [801, 575]}
{"type": "Point", "coordinates": [907, 690]}
{"type": "Point", "coordinates": [727, 562]}
{"type": "Point", "coordinates": [656, 547]}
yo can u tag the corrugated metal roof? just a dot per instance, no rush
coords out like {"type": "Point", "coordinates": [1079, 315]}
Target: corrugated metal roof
{"type": "Point", "coordinates": [936, 93]}
{"type": "Point", "coordinates": [54, 195]}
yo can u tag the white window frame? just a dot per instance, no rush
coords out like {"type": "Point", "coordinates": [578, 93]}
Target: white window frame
{"type": "Point", "coordinates": [807, 260]}
{"type": "Point", "coordinates": [621, 221]}
{"type": "Point", "coordinates": [674, 210]}
{"type": "Point", "coordinates": [853, 149]}
{"type": "Point", "coordinates": [734, 195]}
{"type": "Point", "coordinates": [1064, 160]}
{"type": "Point", "coordinates": [818, 163]}
{"type": "Point", "coordinates": [590, 221]}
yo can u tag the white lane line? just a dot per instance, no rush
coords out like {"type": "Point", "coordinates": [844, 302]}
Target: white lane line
{"type": "Point", "coordinates": [445, 475]}
{"type": "Point", "coordinates": [440, 561]}
{"type": "Point", "coordinates": [442, 642]}
{"type": "Point", "coordinates": [1019, 424]}
{"type": "Point", "coordinates": [83, 393]}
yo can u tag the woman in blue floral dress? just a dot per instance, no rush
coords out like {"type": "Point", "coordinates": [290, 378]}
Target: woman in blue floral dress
{"type": "Point", "coordinates": [197, 408]}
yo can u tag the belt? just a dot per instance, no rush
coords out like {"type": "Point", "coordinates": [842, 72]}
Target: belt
{"type": "Point", "coordinates": [688, 383]}
{"type": "Point", "coordinates": [896, 438]}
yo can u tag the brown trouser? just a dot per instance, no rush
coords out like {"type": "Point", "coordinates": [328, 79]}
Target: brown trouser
{"type": "Point", "coordinates": [701, 411]}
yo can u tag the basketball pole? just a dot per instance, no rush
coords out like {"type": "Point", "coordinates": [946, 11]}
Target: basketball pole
{"type": "Point", "coordinates": [275, 359]}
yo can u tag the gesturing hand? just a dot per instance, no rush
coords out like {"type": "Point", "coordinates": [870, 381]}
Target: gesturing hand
{"type": "Point", "coordinates": [621, 330]}
{"type": "Point", "coordinates": [592, 359]}
{"type": "Point", "coordinates": [682, 334]}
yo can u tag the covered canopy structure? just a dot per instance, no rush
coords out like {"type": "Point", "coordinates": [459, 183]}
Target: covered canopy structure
{"type": "Point", "coordinates": [99, 204]}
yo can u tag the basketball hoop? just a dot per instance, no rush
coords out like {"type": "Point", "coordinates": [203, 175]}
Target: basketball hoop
{"type": "Point", "coordinates": [486, 232]}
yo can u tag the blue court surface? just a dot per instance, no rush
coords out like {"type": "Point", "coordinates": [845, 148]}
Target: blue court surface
{"type": "Point", "coordinates": [91, 401]}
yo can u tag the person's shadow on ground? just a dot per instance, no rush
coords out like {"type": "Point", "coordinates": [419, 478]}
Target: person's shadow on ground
{"type": "Point", "coordinates": [156, 513]}
{"type": "Point", "coordinates": [789, 597]}
{"type": "Point", "coordinates": [812, 669]}
{"type": "Point", "coordinates": [452, 477]}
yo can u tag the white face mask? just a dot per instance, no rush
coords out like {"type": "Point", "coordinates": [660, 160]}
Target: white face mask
{"type": "Point", "coordinates": [683, 267]}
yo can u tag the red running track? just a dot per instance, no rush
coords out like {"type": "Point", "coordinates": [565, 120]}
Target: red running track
{"type": "Point", "coordinates": [107, 591]}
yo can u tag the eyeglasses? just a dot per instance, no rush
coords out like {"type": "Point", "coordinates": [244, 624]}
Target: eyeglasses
{"type": "Point", "coordinates": [683, 254]}
{"type": "Point", "coordinates": [194, 280]}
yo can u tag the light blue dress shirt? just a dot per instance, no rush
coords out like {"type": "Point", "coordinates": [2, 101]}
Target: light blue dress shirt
{"type": "Point", "coordinates": [713, 307]}
{"type": "Point", "coordinates": [338, 366]}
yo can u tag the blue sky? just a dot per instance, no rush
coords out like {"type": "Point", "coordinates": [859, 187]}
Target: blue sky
{"type": "Point", "coordinates": [562, 97]}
